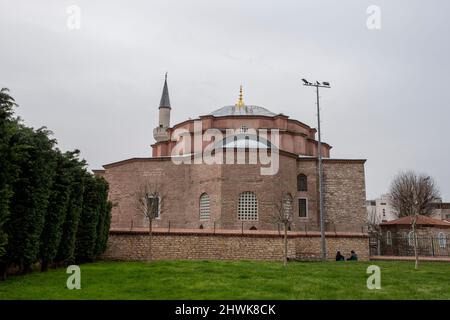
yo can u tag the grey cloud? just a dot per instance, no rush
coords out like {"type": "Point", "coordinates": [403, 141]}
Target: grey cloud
{"type": "Point", "coordinates": [98, 88]}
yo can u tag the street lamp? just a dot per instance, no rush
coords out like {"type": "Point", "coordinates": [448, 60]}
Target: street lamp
{"type": "Point", "coordinates": [319, 147]}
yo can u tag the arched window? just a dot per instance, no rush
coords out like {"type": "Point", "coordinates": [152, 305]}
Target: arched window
{"type": "Point", "coordinates": [442, 239]}
{"type": "Point", "coordinates": [302, 182]}
{"type": "Point", "coordinates": [411, 238]}
{"type": "Point", "coordinates": [247, 207]}
{"type": "Point", "coordinates": [204, 207]}
{"type": "Point", "coordinates": [287, 205]}
{"type": "Point", "coordinates": [388, 238]}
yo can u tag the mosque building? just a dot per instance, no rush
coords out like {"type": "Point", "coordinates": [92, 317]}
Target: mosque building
{"type": "Point", "coordinates": [193, 194]}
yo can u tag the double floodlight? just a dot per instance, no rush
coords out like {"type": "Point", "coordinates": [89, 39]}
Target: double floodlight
{"type": "Point", "coordinates": [317, 84]}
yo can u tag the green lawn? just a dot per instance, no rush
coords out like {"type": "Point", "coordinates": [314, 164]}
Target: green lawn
{"type": "Point", "coordinates": [235, 280]}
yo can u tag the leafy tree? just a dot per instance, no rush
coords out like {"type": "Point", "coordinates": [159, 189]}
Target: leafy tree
{"type": "Point", "coordinates": [66, 250]}
{"type": "Point", "coordinates": [8, 170]}
{"type": "Point", "coordinates": [50, 207]}
{"type": "Point", "coordinates": [57, 209]}
{"type": "Point", "coordinates": [85, 247]}
{"type": "Point", "coordinates": [104, 222]}
{"type": "Point", "coordinates": [36, 158]}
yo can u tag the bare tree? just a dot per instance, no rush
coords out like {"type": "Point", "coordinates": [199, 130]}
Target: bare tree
{"type": "Point", "coordinates": [282, 214]}
{"type": "Point", "coordinates": [149, 201]}
{"type": "Point", "coordinates": [373, 221]}
{"type": "Point", "coordinates": [413, 194]}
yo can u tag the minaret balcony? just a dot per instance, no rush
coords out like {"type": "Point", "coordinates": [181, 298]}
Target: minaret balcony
{"type": "Point", "coordinates": [160, 134]}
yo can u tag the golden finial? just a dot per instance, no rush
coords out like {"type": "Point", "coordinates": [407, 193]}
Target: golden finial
{"type": "Point", "coordinates": [240, 102]}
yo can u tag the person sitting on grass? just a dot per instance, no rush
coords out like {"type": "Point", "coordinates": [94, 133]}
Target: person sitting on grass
{"type": "Point", "coordinates": [353, 256]}
{"type": "Point", "coordinates": [339, 256]}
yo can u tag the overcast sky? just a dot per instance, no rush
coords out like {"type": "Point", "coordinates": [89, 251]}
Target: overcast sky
{"type": "Point", "coordinates": [98, 88]}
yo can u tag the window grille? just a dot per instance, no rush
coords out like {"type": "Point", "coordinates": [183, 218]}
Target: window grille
{"type": "Point", "coordinates": [204, 207]}
{"type": "Point", "coordinates": [248, 207]}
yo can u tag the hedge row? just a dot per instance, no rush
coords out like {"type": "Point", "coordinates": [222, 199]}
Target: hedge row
{"type": "Point", "coordinates": [52, 210]}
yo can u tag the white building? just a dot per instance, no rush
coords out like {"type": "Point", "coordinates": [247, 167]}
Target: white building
{"type": "Point", "coordinates": [380, 210]}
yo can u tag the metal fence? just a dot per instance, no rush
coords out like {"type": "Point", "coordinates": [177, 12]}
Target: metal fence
{"type": "Point", "coordinates": [431, 246]}
{"type": "Point", "coordinates": [246, 226]}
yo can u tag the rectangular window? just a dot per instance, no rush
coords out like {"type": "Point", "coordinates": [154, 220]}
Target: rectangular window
{"type": "Point", "coordinates": [303, 207]}
{"type": "Point", "coordinates": [154, 207]}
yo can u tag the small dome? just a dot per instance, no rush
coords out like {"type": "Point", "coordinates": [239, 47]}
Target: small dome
{"type": "Point", "coordinates": [242, 111]}
{"type": "Point", "coordinates": [243, 141]}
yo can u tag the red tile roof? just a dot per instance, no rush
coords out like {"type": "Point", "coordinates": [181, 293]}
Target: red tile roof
{"type": "Point", "coordinates": [421, 221]}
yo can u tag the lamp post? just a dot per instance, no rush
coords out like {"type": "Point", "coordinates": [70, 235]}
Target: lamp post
{"type": "Point", "coordinates": [318, 85]}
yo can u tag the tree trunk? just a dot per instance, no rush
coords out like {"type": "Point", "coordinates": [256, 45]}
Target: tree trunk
{"type": "Point", "coordinates": [26, 269]}
{"type": "Point", "coordinates": [416, 253]}
{"type": "Point", "coordinates": [285, 245]}
{"type": "Point", "coordinates": [150, 238]}
{"type": "Point", "coordinates": [3, 272]}
{"type": "Point", "coordinates": [44, 265]}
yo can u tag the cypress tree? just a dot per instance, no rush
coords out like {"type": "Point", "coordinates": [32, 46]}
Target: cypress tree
{"type": "Point", "coordinates": [66, 250]}
{"type": "Point", "coordinates": [8, 170]}
{"type": "Point", "coordinates": [87, 229]}
{"type": "Point", "coordinates": [35, 157]}
{"type": "Point", "coordinates": [57, 209]}
{"type": "Point", "coordinates": [104, 219]}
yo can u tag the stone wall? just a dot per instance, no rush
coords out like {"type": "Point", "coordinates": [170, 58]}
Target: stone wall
{"type": "Point", "coordinates": [345, 194]}
{"type": "Point", "coordinates": [228, 245]}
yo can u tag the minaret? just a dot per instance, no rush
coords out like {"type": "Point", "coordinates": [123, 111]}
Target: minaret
{"type": "Point", "coordinates": [160, 132]}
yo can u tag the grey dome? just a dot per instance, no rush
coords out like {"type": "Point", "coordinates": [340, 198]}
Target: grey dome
{"type": "Point", "coordinates": [242, 111]}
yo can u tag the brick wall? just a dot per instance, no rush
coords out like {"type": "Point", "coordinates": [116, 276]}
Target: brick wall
{"type": "Point", "coordinates": [183, 184]}
{"type": "Point", "coordinates": [228, 245]}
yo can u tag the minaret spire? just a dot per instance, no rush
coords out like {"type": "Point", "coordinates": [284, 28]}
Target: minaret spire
{"type": "Point", "coordinates": [160, 132]}
{"type": "Point", "coordinates": [240, 102]}
{"type": "Point", "coordinates": [165, 101]}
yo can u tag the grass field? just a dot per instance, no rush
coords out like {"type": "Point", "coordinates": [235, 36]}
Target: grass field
{"type": "Point", "coordinates": [235, 280]}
